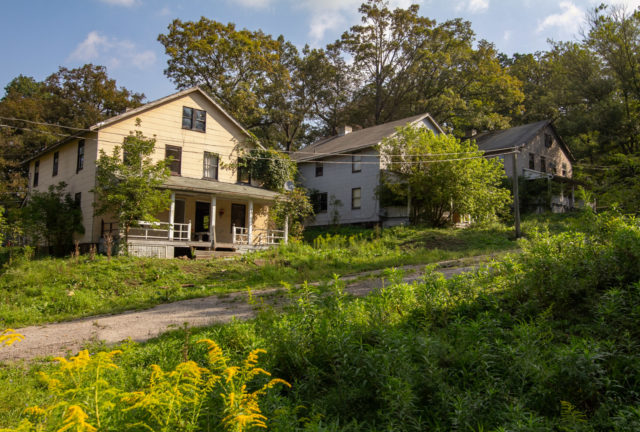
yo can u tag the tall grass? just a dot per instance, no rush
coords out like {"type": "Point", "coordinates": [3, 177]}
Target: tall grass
{"type": "Point", "coordinates": [544, 340]}
{"type": "Point", "coordinates": [54, 289]}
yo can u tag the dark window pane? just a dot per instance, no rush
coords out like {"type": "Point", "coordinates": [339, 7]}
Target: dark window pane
{"type": "Point", "coordinates": [36, 173]}
{"type": "Point", "coordinates": [175, 153]}
{"type": "Point", "coordinates": [78, 198]}
{"type": "Point", "coordinates": [532, 161]}
{"type": "Point", "coordinates": [319, 202]}
{"type": "Point", "coordinates": [200, 121]}
{"type": "Point", "coordinates": [80, 161]}
{"type": "Point", "coordinates": [56, 160]}
{"type": "Point", "coordinates": [319, 169]}
{"type": "Point", "coordinates": [187, 118]}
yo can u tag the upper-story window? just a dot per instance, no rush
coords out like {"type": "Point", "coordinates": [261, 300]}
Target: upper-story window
{"type": "Point", "coordinates": [564, 170]}
{"type": "Point", "coordinates": [532, 161]}
{"type": "Point", "coordinates": [175, 153]}
{"type": "Point", "coordinates": [36, 173]}
{"type": "Point", "coordinates": [194, 119]}
{"type": "Point", "coordinates": [80, 159]}
{"type": "Point", "coordinates": [356, 163]}
{"type": "Point", "coordinates": [319, 169]}
{"type": "Point", "coordinates": [56, 161]}
{"type": "Point", "coordinates": [548, 140]}
{"type": "Point", "coordinates": [244, 175]}
{"type": "Point", "coordinates": [77, 199]}
{"type": "Point", "coordinates": [543, 164]}
{"type": "Point", "coordinates": [210, 169]}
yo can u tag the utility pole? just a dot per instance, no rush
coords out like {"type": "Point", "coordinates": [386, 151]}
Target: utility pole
{"type": "Point", "coordinates": [516, 200]}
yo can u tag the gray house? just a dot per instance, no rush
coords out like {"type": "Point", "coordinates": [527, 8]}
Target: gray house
{"type": "Point", "coordinates": [343, 173]}
{"type": "Point", "coordinates": [542, 154]}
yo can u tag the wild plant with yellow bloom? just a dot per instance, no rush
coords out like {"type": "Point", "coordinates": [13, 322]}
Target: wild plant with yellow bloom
{"type": "Point", "coordinates": [9, 336]}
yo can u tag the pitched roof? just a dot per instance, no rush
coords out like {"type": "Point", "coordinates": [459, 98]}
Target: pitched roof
{"type": "Point", "coordinates": [514, 137]}
{"type": "Point", "coordinates": [357, 140]}
{"type": "Point", "coordinates": [157, 102]}
{"type": "Point", "coordinates": [130, 113]}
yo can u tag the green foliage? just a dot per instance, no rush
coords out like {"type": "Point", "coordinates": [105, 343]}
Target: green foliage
{"type": "Point", "coordinates": [261, 81]}
{"type": "Point", "coordinates": [85, 396]}
{"type": "Point", "coordinates": [456, 179]}
{"type": "Point", "coordinates": [269, 167]}
{"type": "Point", "coordinates": [128, 183]}
{"type": "Point", "coordinates": [52, 289]}
{"type": "Point", "coordinates": [52, 218]}
{"type": "Point", "coordinates": [543, 340]}
{"type": "Point", "coordinates": [295, 206]}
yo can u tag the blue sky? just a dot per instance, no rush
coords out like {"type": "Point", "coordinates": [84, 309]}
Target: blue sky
{"type": "Point", "coordinates": [38, 36]}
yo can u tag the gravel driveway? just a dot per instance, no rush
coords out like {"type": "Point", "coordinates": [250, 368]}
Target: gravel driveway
{"type": "Point", "coordinates": [69, 337]}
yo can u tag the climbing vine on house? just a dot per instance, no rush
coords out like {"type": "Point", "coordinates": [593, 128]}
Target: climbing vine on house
{"type": "Point", "coordinates": [268, 166]}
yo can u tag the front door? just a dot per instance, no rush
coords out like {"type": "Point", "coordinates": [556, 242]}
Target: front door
{"type": "Point", "coordinates": [203, 210]}
{"type": "Point", "coordinates": [238, 215]}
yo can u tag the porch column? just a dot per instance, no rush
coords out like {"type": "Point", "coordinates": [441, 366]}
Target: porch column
{"type": "Point", "coordinates": [212, 222]}
{"type": "Point", "coordinates": [250, 228]}
{"type": "Point", "coordinates": [172, 214]}
{"type": "Point", "coordinates": [286, 229]}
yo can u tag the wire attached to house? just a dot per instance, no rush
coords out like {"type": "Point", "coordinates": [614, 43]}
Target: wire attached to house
{"type": "Point", "coordinates": [411, 162]}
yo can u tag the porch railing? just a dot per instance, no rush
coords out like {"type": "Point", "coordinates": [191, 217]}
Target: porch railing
{"type": "Point", "coordinates": [161, 231]}
{"type": "Point", "coordinates": [259, 237]}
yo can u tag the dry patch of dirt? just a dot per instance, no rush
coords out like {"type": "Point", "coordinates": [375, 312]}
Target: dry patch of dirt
{"type": "Point", "coordinates": [69, 337]}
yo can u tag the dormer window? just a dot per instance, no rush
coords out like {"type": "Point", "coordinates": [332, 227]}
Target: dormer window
{"type": "Point", "coordinates": [194, 119]}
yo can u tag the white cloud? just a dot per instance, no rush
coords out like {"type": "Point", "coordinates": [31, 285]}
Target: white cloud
{"type": "Point", "coordinates": [507, 35]}
{"type": "Point", "coordinates": [473, 6]}
{"type": "Point", "coordinates": [125, 3]}
{"type": "Point", "coordinates": [111, 51]}
{"type": "Point", "coordinates": [165, 11]}
{"type": "Point", "coordinates": [259, 4]}
{"type": "Point", "coordinates": [568, 21]}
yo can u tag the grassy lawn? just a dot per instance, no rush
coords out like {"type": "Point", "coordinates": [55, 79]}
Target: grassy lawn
{"type": "Point", "coordinates": [55, 289]}
{"type": "Point", "coordinates": [548, 340]}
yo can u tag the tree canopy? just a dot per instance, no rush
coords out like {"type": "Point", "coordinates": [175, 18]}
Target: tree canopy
{"type": "Point", "coordinates": [441, 175]}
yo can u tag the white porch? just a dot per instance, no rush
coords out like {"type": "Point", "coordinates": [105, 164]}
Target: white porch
{"type": "Point", "coordinates": [208, 216]}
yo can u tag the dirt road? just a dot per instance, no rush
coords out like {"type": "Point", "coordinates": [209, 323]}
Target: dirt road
{"type": "Point", "coordinates": [69, 337]}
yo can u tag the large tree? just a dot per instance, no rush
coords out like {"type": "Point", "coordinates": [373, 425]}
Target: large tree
{"type": "Point", "coordinates": [128, 183]}
{"type": "Point", "coordinates": [455, 179]}
{"type": "Point", "coordinates": [406, 64]}
{"type": "Point", "coordinates": [31, 110]}
{"type": "Point", "coordinates": [263, 82]}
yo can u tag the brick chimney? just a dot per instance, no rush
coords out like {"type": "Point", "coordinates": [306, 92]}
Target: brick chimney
{"type": "Point", "coordinates": [344, 129]}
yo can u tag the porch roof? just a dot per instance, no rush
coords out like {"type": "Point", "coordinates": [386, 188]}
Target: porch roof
{"type": "Point", "coordinates": [220, 189]}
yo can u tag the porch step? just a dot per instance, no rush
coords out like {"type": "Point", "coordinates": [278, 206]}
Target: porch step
{"type": "Point", "coordinates": [207, 254]}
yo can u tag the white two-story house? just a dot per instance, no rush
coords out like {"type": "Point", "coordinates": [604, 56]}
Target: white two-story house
{"type": "Point", "coordinates": [343, 174]}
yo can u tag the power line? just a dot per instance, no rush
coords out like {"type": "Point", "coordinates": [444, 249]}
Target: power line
{"type": "Point", "coordinates": [301, 152]}
{"type": "Point", "coordinates": [411, 162]}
